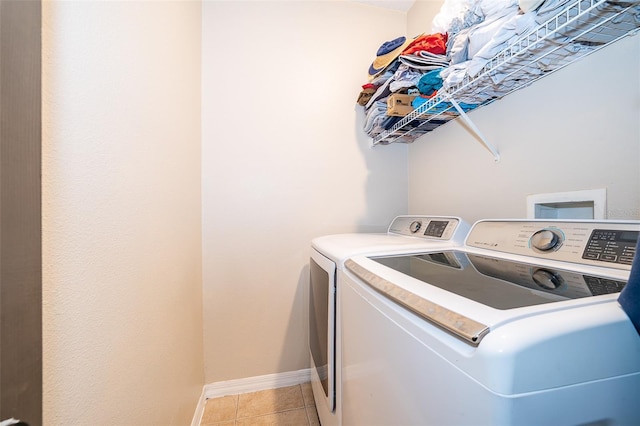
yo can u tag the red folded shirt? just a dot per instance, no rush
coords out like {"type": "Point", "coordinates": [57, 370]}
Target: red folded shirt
{"type": "Point", "coordinates": [434, 43]}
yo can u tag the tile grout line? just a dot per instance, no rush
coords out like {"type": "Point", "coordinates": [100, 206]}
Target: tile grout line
{"type": "Point", "coordinates": [235, 419]}
{"type": "Point", "coordinates": [304, 402]}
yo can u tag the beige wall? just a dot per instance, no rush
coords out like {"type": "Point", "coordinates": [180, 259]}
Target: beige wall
{"type": "Point", "coordinates": [574, 130]}
{"type": "Point", "coordinates": [121, 212]}
{"type": "Point", "coordinates": [284, 160]}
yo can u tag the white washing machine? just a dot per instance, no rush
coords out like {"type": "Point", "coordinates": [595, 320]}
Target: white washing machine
{"type": "Point", "coordinates": [519, 326]}
{"type": "Point", "coordinates": [406, 234]}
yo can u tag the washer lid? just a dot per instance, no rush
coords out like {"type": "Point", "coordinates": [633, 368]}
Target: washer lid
{"type": "Point", "coordinates": [497, 282]}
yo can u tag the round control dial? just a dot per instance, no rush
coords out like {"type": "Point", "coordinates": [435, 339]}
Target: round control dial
{"type": "Point", "coordinates": [546, 240]}
{"type": "Point", "coordinates": [415, 226]}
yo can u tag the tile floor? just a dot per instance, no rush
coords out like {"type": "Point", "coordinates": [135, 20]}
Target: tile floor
{"type": "Point", "coordinates": [291, 405]}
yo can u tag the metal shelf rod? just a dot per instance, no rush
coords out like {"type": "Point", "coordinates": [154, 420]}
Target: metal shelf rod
{"type": "Point", "coordinates": [471, 124]}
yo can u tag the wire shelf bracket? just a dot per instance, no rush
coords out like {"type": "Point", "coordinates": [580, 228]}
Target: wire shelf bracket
{"type": "Point", "coordinates": [475, 129]}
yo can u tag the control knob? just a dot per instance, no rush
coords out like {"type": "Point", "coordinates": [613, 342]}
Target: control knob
{"type": "Point", "coordinates": [545, 240]}
{"type": "Point", "coordinates": [415, 226]}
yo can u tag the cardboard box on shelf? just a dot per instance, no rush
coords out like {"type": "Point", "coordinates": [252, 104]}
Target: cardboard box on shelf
{"type": "Point", "coordinates": [399, 105]}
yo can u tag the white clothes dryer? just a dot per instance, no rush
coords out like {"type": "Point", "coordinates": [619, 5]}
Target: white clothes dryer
{"type": "Point", "coordinates": [406, 234]}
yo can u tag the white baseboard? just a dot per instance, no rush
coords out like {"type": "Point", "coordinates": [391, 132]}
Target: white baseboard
{"type": "Point", "coordinates": [249, 384]}
{"type": "Point", "coordinates": [197, 416]}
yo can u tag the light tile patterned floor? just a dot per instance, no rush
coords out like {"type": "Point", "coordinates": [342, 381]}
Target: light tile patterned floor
{"type": "Point", "coordinates": [292, 405]}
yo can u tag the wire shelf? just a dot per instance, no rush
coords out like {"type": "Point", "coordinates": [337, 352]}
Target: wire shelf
{"type": "Point", "coordinates": [581, 28]}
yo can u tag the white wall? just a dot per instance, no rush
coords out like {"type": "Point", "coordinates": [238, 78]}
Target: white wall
{"type": "Point", "coordinates": [283, 161]}
{"type": "Point", "coordinates": [576, 129]}
{"type": "Point", "coordinates": [121, 212]}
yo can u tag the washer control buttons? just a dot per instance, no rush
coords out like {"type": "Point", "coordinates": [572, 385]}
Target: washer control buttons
{"type": "Point", "coordinates": [546, 240]}
{"type": "Point", "coordinates": [615, 246]}
{"type": "Point", "coordinates": [415, 226]}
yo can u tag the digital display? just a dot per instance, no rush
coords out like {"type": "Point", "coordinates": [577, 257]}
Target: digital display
{"type": "Point", "coordinates": [621, 236]}
{"type": "Point", "coordinates": [628, 236]}
{"type": "Point", "coordinates": [436, 228]}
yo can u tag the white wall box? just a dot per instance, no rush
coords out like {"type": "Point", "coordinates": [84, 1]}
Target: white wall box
{"type": "Point", "coordinates": [588, 204]}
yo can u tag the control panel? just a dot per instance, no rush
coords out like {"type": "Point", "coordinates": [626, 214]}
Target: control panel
{"type": "Point", "coordinates": [599, 243]}
{"type": "Point", "coordinates": [429, 227]}
{"type": "Point", "coordinates": [611, 246]}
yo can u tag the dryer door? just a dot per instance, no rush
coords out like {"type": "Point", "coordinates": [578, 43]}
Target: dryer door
{"type": "Point", "coordinates": [322, 326]}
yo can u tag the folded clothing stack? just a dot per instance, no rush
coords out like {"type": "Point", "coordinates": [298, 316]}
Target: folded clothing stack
{"type": "Point", "coordinates": [396, 70]}
{"type": "Point", "coordinates": [456, 61]}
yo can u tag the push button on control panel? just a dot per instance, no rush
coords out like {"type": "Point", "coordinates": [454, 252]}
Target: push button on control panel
{"type": "Point", "coordinates": [611, 246]}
